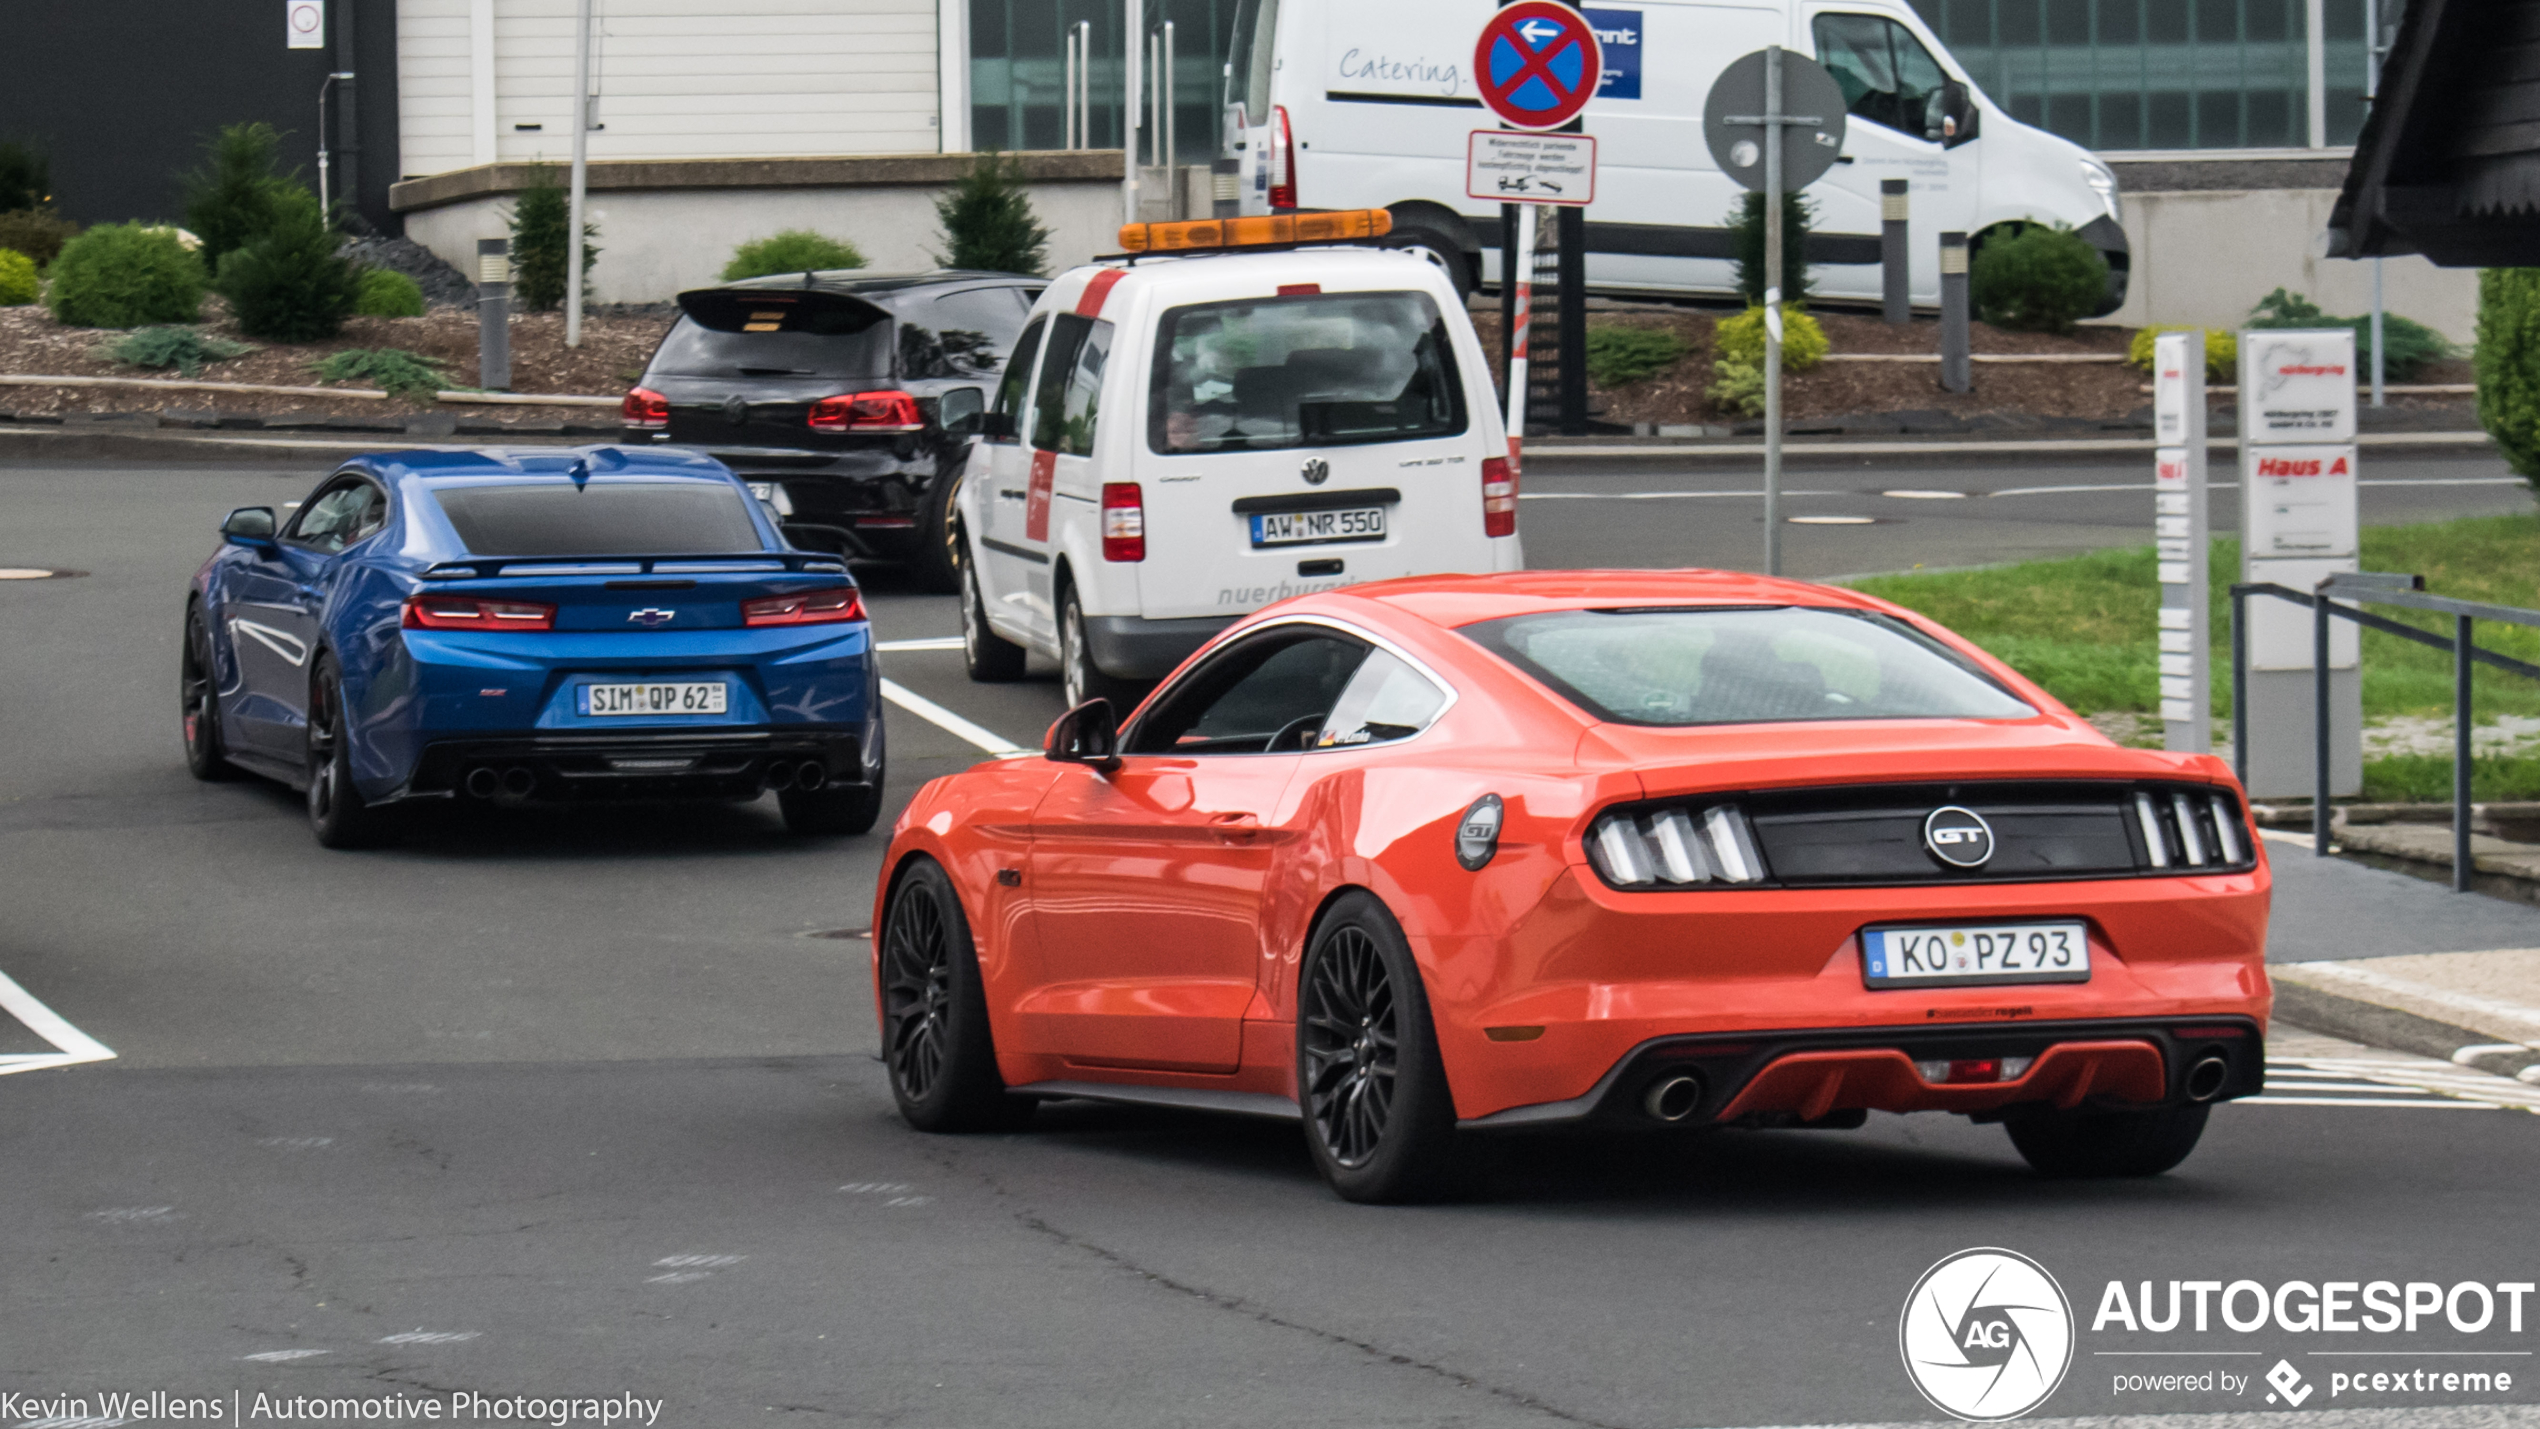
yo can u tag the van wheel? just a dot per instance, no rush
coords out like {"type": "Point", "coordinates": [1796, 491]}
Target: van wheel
{"type": "Point", "coordinates": [991, 658]}
{"type": "Point", "coordinates": [1440, 253]}
{"type": "Point", "coordinates": [1078, 676]}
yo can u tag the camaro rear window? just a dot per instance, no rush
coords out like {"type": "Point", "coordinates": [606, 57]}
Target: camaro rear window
{"type": "Point", "coordinates": [1327, 369]}
{"type": "Point", "coordinates": [601, 518]}
{"type": "Point", "coordinates": [1745, 665]}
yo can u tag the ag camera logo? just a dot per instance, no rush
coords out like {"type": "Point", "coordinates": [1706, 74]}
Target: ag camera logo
{"type": "Point", "coordinates": [1986, 1335]}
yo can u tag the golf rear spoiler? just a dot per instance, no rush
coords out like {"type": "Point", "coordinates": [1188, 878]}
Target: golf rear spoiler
{"type": "Point", "coordinates": [811, 310]}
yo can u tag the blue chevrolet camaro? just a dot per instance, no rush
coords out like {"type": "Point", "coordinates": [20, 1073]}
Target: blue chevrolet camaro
{"type": "Point", "coordinates": [531, 626]}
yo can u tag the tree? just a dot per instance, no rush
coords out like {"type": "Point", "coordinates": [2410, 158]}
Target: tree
{"type": "Point", "coordinates": [988, 222]}
{"type": "Point", "coordinates": [1746, 224]}
{"type": "Point", "coordinates": [541, 221]}
{"type": "Point", "coordinates": [237, 195]}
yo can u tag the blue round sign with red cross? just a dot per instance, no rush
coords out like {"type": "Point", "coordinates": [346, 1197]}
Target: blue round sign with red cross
{"type": "Point", "coordinates": [1537, 64]}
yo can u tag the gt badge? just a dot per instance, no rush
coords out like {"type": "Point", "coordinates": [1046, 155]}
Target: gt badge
{"type": "Point", "coordinates": [1958, 837]}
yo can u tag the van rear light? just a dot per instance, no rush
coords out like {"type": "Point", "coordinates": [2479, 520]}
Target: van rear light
{"type": "Point", "coordinates": [809, 607]}
{"type": "Point", "coordinates": [645, 410]}
{"type": "Point", "coordinates": [1499, 497]}
{"type": "Point", "coordinates": [1675, 847]}
{"type": "Point", "coordinates": [459, 612]}
{"type": "Point", "coordinates": [876, 412]}
{"type": "Point", "coordinates": [1124, 522]}
{"type": "Point", "coordinates": [1282, 159]}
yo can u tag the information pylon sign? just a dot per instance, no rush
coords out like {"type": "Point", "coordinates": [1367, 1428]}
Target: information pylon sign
{"type": "Point", "coordinates": [2180, 541]}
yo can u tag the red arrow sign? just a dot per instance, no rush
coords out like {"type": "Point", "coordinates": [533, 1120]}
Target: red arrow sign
{"type": "Point", "coordinates": [1537, 64]}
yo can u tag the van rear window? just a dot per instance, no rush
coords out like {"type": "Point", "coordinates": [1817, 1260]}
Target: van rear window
{"type": "Point", "coordinates": [601, 518]}
{"type": "Point", "coordinates": [1329, 369]}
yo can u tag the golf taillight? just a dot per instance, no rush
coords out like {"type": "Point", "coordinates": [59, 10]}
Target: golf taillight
{"type": "Point", "coordinates": [1499, 497]}
{"type": "Point", "coordinates": [645, 410]}
{"type": "Point", "coordinates": [1282, 159]}
{"type": "Point", "coordinates": [1124, 522]}
{"type": "Point", "coordinates": [458, 612]}
{"type": "Point", "coordinates": [809, 607]}
{"type": "Point", "coordinates": [867, 412]}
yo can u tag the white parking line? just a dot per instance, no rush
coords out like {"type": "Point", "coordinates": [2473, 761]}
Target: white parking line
{"type": "Point", "coordinates": [995, 744]}
{"type": "Point", "coordinates": [72, 1046]}
{"type": "Point", "coordinates": [936, 642]}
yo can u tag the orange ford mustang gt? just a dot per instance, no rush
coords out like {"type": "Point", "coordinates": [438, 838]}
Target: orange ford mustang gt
{"type": "Point", "coordinates": [1426, 858]}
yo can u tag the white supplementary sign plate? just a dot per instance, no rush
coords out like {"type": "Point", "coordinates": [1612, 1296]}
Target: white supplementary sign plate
{"type": "Point", "coordinates": [2301, 501]}
{"type": "Point", "coordinates": [686, 697]}
{"type": "Point", "coordinates": [1505, 166]}
{"type": "Point", "coordinates": [1975, 954]}
{"type": "Point", "coordinates": [2297, 385]}
{"type": "Point", "coordinates": [304, 24]}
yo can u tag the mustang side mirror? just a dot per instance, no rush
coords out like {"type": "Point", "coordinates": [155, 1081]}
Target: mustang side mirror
{"type": "Point", "coordinates": [997, 426]}
{"type": "Point", "coordinates": [249, 526]}
{"type": "Point", "coordinates": [1088, 734]}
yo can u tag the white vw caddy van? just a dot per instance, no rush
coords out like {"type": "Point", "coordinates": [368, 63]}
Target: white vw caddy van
{"type": "Point", "coordinates": [1332, 105]}
{"type": "Point", "coordinates": [1182, 439]}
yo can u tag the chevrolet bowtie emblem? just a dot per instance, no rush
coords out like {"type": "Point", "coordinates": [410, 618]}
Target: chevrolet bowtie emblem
{"type": "Point", "coordinates": [652, 618]}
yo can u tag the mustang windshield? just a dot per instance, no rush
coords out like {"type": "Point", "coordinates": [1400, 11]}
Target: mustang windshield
{"type": "Point", "coordinates": [1745, 665]}
{"type": "Point", "coordinates": [601, 518]}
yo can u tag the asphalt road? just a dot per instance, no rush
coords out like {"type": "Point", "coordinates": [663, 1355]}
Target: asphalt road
{"type": "Point", "coordinates": [584, 1104]}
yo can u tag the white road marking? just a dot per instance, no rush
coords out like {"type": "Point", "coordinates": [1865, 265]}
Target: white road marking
{"type": "Point", "coordinates": [711, 1261]}
{"type": "Point", "coordinates": [908, 1201]}
{"type": "Point", "coordinates": [71, 1046]}
{"type": "Point", "coordinates": [1970, 448]}
{"type": "Point", "coordinates": [1832, 520]}
{"type": "Point", "coordinates": [282, 1356]}
{"type": "Point", "coordinates": [2468, 1056]}
{"type": "Point", "coordinates": [2424, 992]}
{"type": "Point", "coordinates": [952, 724]}
{"type": "Point", "coordinates": [2390, 1081]}
{"type": "Point", "coordinates": [1917, 494]}
{"type": "Point", "coordinates": [2445, 1104]}
{"type": "Point", "coordinates": [297, 1143]}
{"type": "Point", "coordinates": [932, 642]}
{"type": "Point", "coordinates": [134, 1215]}
{"type": "Point", "coordinates": [2285, 836]}
{"type": "Point", "coordinates": [866, 1188]}
{"type": "Point", "coordinates": [430, 1337]}
{"type": "Point", "coordinates": [23, 573]}
{"type": "Point", "coordinates": [679, 1277]}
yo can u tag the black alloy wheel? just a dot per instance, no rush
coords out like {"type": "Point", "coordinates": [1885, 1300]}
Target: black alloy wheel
{"type": "Point", "coordinates": [935, 1037]}
{"type": "Point", "coordinates": [1379, 1117]}
{"type": "Point", "coordinates": [198, 701]}
{"type": "Point", "coordinates": [337, 813]}
{"type": "Point", "coordinates": [2078, 1144]}
{"type": "Point", "coordinates": [990, 658]}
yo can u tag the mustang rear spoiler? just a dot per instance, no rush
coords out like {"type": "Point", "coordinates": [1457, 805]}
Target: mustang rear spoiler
{"type": "Point", "coordinates": [815, 563]}
{"type": "Point", "coordinates": [811, 310]}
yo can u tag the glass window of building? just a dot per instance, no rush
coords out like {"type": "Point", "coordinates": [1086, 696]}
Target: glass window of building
{"type": "Point", "coordinates": [1018, 72]}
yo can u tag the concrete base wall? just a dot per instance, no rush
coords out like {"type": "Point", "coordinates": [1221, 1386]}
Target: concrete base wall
{"type": "Point", "coordinates": [2208, 256]}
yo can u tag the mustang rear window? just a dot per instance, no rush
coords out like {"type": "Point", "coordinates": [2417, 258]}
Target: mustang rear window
{"type": "Point", "coordinates": [601, 518]}
{"type": "Point", "coordinates": [1745, 665]}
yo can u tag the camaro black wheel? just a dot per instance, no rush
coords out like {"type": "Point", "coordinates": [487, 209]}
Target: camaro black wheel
{"type": "Point", "coordinates": [1378, 1115]}
{"type": "Point", "coordinates": [1078, 675]}
{"type": "Point", "coordinates": [198, 701]}
{"type": "Point", "coordinates": [938, 562]}
{"type": "Point", "coordinates": [336, 811]}
{"type": "Point", "coordinates": [935, 1039]}
{"type": "Point", "coordinates": [991, 658]}
{"type": "Point", "coordinates": [840, 809]}
{"type": "Point", "coordinates": [2124, 1143]}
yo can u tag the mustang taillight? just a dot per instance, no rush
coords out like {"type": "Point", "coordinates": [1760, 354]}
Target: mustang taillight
{"type": "Point", "coordinates": [1675, 847]}
{"type": "Point", "coordinates": [458, 612]}
{"type": "Point", "coordinates": [645, 410]}
{"type": "Point", "coordinates": [2187, 830]}
{"type": "Point", "coordinates": [877, 412]}
{"type": "Point", "coordinates": [810, 607]}
{"type": "Point", "coordinates": [1124, 522]}
{"type": "Point", "coordinates": [1282, 159]}
{"type": "Point", "coordinates": [1499, 497]}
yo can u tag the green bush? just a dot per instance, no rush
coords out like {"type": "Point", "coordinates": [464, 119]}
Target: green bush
{"type": "Point", "coordinates": [2411, 343]}
{"type": "Point", "coordinates": [1741, 340]}
{"type": "Point", "coordinates": [17, 279]}
{"type": "Point", "coordinates": [124, 275]}
{"type": "Point", "coordinates": [988, 223]}
{"type": "Point", "coordinates": [37, 233]}
{"type": "Point", "coordinates": [237, 196]}
{"type": "Point", "coordinates": [183, 348]}
{"type": "Point", "coordinates": [291, 284]}
{"type": "Point", "coordinates": [2508, 355]}
{"type": "Point", "coordinates": [393, 370]}
{"type": "Point", "coordinates": [1738, 386]}
{"type": "Point", "coordinates": [1619, 355]}
{"type": "Point", "coordinates": [387, 293]}
{"type": "Point", "coordinates": [2427, 779]}
{"type": "Point", "coordinates": [2222, 350]}
{"type": "Point", "coordinates": [26, 178]}
{"type": "Point", "coordinates": [542, 228]}
{"type": "Point", "coordinates": [796, 250]}
{"type": "Point", "coordinates": [2037, 279]}
{"type": "Point", "coordinates": [1746, 229]}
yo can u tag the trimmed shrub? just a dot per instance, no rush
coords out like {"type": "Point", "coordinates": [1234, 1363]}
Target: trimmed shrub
{"type": "Point", "coordinates": [1741, 340]}
{"type": "Point", "coordinates": [988, 222]}
{"type": "Point", "coordinates": [237, 196]}
{"type": "Point", "coordinates": [542, 227]}
{"type": "Point", "coordinates": [26, 178]}
{"type": "Point", "coordinates": [2037, 279]}
{"type": "Point", "coordinates": [796, 250]}
{"type": "Point", "coordinates": [37, 233]}
{"type": "Point", "coordinates": [2222, 350]}
{"type": "Point", "coordinates": [1620, 355]}
{"type": "Point", "coordinates": [2508, 356]}
{"type": "Point", "coordinates": [1739, 386]}
{"type": "Point", "coordinates": [183, 348]}
{"type": "Point", "coordinates": [17, 279]}
{"type": "Point", "coordinates": [2411, 343]}
{"type": "Point", "coordinates": [387, 293]}
{"type": "Point", "coordinates": [291, 284]}
{"type": "Point", "coordinates": [1746, 227]}
{"type": "Point", "coordinates": [124, 275]}
{"type": "Point", "coordinates": [393, 370]}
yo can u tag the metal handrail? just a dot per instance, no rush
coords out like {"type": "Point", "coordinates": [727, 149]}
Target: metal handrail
{"type": "Point", "coordinates": [2381, 588]}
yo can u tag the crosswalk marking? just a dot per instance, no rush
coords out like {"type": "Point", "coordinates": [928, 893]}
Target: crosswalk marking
{"type": "Point", "coordinates": [2406, 1083]}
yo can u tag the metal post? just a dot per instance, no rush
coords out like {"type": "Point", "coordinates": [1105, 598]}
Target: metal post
{"type": "Point", "coordinates": [1084, 84]}
{"type": "Point", "coordinates": [1772, 310]}
{"type": "Point", "coordinates": [1509, 215]}
{"type": "Point", "coordinates": [1895, 260]}
{"type": "Point", "coordinates": [324, 205]}
{"type": "Point", "coordinates": [1067, 96]}
{"type": "Point", "coordinates": [1155, 97]}
{"type": "Point", "coordinates": [2378, 366]}
{"type": "Point", "coordinates": [2181, 543]}
{"type": "Point", "coordinates": [2240, 685]}
{"type": "Point", "coordinates": [1179, 206]}
{"type": "Point", "coordinates": [1133, 23]}
{"type": "Point", "coordinates": [494, 314]}
{"type": "Point", "coordinates": [2319, 723]}
{"type": "Point", "coordinates": [1957, 374]}
{"type": "Point", "coordinates": [1520, 320]}
{"type": "Point", "coordinates": [581, 174]}
{"type": "Point", "coordinates": [2372, 94]}
{"type": "Point", "coordinates": [1570, 308]}
{"type": "Point", "coordinates": [348, 109]}
{"type": "Point", "coordinates": [2462, 665]}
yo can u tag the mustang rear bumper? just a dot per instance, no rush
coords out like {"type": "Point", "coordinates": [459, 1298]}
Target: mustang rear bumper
{"type": "Point", "coordinates": [680, 764]}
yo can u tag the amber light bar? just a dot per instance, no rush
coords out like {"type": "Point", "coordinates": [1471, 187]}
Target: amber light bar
{"type": "Point", "coordinates": [1207, 233]}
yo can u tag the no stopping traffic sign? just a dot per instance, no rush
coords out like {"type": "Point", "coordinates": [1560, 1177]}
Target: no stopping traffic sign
{"type": "Point", "coordinates": [1537, 64]}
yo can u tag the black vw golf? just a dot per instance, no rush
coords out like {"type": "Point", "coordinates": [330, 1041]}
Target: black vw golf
{"type": "Point", "coordinates": [843, 398]}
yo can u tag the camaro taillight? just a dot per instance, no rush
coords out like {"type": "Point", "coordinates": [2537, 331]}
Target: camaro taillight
{"type": "Point", "coordinates": [867, 412]}
{"type": "Point", "coordinates": [1675, 846]}
{"type": "Point", "coordinates": [645, 410]}
{"type": "Point", "coordinates": [810, 607]}
{"type": "Point", "coordinates": [1282, 159]}
{"type": "Point", "coordinates": [458, 612]}
{"type": "Point", "coordinates": [1499, 497]}
{"type": "Point", "coordinates": [1124, 522]}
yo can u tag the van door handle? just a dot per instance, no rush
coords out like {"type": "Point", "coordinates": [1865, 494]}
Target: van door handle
{"type": "Point", "coordinates": [1011, 493]}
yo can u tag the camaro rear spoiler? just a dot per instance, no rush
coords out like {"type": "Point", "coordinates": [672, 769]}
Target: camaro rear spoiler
{"type": "Point", "coordinates": [718, 563]}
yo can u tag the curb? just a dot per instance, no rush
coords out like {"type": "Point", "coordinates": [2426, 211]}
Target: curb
{"type": "Point", "coordinates": [137, 446]}
{"type": "Point", "coordinates": [2393, 1030]}
{"type": "Point", "coordinates": [1550, 448]}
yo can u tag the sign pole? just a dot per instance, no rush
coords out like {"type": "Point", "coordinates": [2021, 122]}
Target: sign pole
{"type": "Point", "coordinates": [2180, 541]}
{"type": "Point", "coordinates": [1773, 310]}
{"type": "Point", "coordinates": [581, 175]}
{"type": "Point", "coordinates": [1520, 323]}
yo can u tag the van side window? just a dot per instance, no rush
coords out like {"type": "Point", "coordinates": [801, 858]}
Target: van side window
{"type": "Point", "coordinates": [1886, 75]}
{"type": "Point", "coordinates": [1018, 374]}
{"type": "Point", "coordinates": [1081, 405]}
{"type": "Point", "coordinates": [1058, 368]}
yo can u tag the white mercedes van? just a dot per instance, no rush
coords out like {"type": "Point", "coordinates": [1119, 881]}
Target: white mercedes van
{"type": "Point", "coordinates": [1332, 105]}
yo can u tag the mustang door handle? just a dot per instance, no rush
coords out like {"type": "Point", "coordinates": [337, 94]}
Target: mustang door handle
{"type": "Point", "coordinates": [1235, 826]}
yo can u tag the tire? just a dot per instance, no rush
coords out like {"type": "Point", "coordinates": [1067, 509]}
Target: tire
{"type": "Point", "coordinates": [990, 658]}
{"type": "Point", "coordinates": [1440, 253]}
{"type": "Point", "coordinates": [1379, 1118]}
{"type": "Point", "coordinates": [1079, 678]}
{"type": "Point", "coordinates": [936, 1046]}
{"type": "Point", "coordinates": [2108, 1144]}
{"type": "Point", "coordinates": [337, 814]}
{"type": "Point", "coordinates": [843, 809]}
{"type": "Point", "coordinates": [938, 562]}
{"type": "Point", "coordinates": [198, 702]}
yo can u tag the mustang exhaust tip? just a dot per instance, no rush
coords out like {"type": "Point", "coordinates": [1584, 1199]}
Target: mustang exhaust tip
{"type": "Point", "coordinates": [481, 783]}
{"type": "Point", "coordinates": [1672, 1099]}
{"type": "Point", "coordinates": [2205, 1079]}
